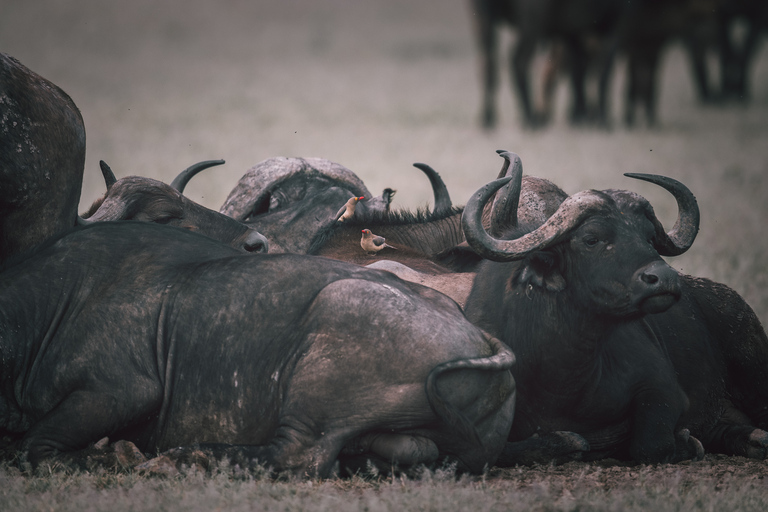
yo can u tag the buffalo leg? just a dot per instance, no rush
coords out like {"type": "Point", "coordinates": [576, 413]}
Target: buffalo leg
{"type": "Point", "coordinates": [578, 68]}
{"type": "Point", "coordinates": [557, 447]}
{"type": "Point", "coordinates": [486, 31]}
{"type": "Point", "coordinates": [654, 439]}
{"type": "Point", "coordinates": [532, 18]}
{"type": "Point", "coordinates": [288, 451]}
{"type": "Point", "coordinates": [82, 418]}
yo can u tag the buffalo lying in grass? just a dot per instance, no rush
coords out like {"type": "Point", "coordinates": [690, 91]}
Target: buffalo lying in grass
{"type": "Point", "coordinates": [149, 200]}
{"type": "Point", "coordinates": [167, 338]}
{"type": "Point", "coordinates": [612, 343]}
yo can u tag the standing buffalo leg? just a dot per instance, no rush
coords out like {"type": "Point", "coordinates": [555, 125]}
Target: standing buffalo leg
{"type": "Point", "coordinates": [487, 40]}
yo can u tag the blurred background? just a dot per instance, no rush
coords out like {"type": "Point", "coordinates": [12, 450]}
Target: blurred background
{"type": "Point", "coordinates": [377, 85]}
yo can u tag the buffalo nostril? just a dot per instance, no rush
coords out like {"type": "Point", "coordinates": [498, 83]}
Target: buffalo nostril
{"type": "Point", "coordinates": [256, 247]}
{"type": "Point", "coordinates": [256, 243]}
{"type": "Point", "coordinates": [649, 278]}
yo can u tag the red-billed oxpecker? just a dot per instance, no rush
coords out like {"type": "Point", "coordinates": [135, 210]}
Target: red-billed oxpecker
{"type": "Point", "coordinates": [373, 243]}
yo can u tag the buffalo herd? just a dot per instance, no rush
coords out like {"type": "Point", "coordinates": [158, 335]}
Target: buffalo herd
{"type": "Point", "coordinates": [528, 326]}
{"type": "Point", "coordinates": [585, 37]}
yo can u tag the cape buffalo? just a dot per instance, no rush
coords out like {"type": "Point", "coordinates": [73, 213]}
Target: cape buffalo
{"type": "Point", "coordinates": [149, 200]}
{"type": "Point", "coordinates": [574, 22]}
{"type": "Point", "coordinates": [290, 199]}
{"type": "Point", "coordinates": [611, 342]}
{"type": "Point", "coordinates": [431, 249]}
{"type": "Point", "coordinates": [165, 338]}
{"type": "Point", "coordinates": [42, 156]}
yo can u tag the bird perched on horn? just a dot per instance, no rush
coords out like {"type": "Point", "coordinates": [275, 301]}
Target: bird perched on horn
{"type": "Point", "coordinates": [373, 243]}
{"type": "Point", "coordinates": [348, 210]}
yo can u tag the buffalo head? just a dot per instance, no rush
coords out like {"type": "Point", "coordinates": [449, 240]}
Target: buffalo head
{"type": "Point", "coordinates": [601, 248]}
{"type": "Point", "coordinates": [148, 200]}
{"type": "Point", "coordinates": [291, 199]}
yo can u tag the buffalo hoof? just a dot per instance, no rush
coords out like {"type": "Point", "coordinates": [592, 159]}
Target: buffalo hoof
{"type": "Point", "coordinates": [179, 460]}
{"type": "Point", "coordinates": [127, 455]}
{"type": "Point", "coordinates": [552, 447]}
{"type": "Point", "coordinates": [121, 455]}
{"type": "Point", "coordinates": [757, 445]}
{"type": "Point", "coordinates": [162, 465]}
{"type": "Point", "coordinates": [688, 447]}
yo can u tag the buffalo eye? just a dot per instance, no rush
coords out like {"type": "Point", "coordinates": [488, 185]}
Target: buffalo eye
{"type": "Point", "coordinates": [591, 240]}
{"type": "Point", "coordinates": [165, 219]}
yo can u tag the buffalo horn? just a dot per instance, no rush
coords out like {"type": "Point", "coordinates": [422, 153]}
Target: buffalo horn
{"type": "Point", "coordinates": [507, 200]}
{"type": "Point", "coordinates": [570, 213]}
{"type": "Point", "coordinates": [258, 182]}
{"type": "Point", "coordinates": [442, 197]}
{"type": "Point", "coordinates": [109, 176]}
{"type": "Point", "coordinates": [184, 176]}
{"type": "Point", "coordinates": [686, 227]}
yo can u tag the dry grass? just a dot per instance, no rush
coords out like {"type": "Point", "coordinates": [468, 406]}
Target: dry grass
{"type": "Point", "coordinates": [717, 483]}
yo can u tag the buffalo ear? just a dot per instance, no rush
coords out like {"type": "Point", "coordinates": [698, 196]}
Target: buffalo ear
{"type": "Point", "coordinates": [540, 269]}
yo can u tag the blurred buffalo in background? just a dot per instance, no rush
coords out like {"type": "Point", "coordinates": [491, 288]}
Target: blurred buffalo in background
{"type": "Point", "coordinates": [585, 37]}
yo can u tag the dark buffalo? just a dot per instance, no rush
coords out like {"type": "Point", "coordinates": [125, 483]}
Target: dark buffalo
{"type": "Point", "coordinates": [149, 200]}
{"type": "Point", "coordinates": [167, 338]}
{"type": "Point", "coordinates": [431, 249]}
{"type": "Point", "coordinates": [42, 156]}
{"type": "Point", "coordinates": [573, 23]}
{"type": "Point", "coordinates": [737, 57]}
{"type": "Point", "coordinates": [651, 27]}
{"type": "Point", "coordinates": [611, 342]}
{"type": "Point", "coordinates": [290, 200]}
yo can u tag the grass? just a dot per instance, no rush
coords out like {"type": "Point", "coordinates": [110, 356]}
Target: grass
{"type": "Point", "coordinates": [717, 483]}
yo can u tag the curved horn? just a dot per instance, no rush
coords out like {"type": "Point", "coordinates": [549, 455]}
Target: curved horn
{"type": "Point", "coordinates": [570, 213]}
{"type": "Point", "coordinates": [255, 185]}
{"type": "Point", "coordinates": [442, 198]}
{"type": "Point", "coordinates": [184, 176]}
{"type": "Point", "coordinates": [507, 200]}
{"type": "Point", "coordinates": [109, 176]}
{"type": "Point", "coordinates": [683, 233]}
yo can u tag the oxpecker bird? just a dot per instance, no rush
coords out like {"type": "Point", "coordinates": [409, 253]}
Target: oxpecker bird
{"type": "Point", "coordinates": [348, 210]}
{"type": "Point", "coordinates": [373, 243]}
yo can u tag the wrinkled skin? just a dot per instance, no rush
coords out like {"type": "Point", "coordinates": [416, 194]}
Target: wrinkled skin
{"type": "Point", "coordinates": [166, 338]}
{"type": "Point", "coordinates": [42, 156]}
{"type": "Point", "coordinates": [149, 200]}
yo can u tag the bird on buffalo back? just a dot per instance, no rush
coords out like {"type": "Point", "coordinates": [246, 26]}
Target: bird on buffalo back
{"type": "Point", "coordinates": [373, 243]}
{"type": "Point", "coordinates": [348, 210]}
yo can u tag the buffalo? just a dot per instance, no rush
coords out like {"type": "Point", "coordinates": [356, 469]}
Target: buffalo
{"type": "Point", "coordinates": [149, 200]}
{"type": "Point", "coordinates": [611, 342]}
{"type": "Point", "coordinates": [576, 23]}
{"type": "Point", "coordinates": [167, 339]}
{"type": "Point", "coordinates": [42, 157]}
{"type": "Point", "coordinates": [736, 59]}
{"type": "Point", "coordinates": [431, 249]}
{"type": "Point", "coordinates": [290, 200]}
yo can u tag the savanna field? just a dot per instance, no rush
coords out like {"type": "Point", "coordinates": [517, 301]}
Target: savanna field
{"type": "Point", "coordinates": [376, 86]}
